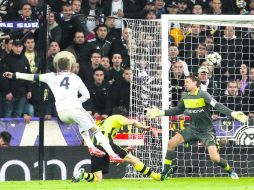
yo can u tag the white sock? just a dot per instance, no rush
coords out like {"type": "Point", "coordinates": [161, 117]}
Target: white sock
{"type": "Point", "coordinates": [87, 139]}
{"type": "Point", "coordinates": [103, 142]}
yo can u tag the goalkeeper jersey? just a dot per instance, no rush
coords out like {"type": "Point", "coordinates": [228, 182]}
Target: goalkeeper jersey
{"type": "Point", "coordinates": [198, 106]}
{"type": "Point", "coordinates": [111, 125]}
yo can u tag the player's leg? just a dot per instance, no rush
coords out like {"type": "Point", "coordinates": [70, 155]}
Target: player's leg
{"type": "Point", "coordinates": [78, 116]}
{"type": "Point", "coordinates": [141, 167]}
{"type": "Point", "coordinates": [215, 157]}
{"type": "Point", "coordinates": [210, 141]}
{"type": "Point", "coordinates": [170, 155]}
{"type": "Point", "coordinates": [87, 122]}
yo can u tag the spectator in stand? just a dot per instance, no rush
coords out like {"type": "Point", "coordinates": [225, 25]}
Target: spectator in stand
{"type": "Point", "coordinates": [100, 44]}
{"type": "Point", "coordinates": [77, 46]}
{"type": "Point", "coordinates": [120, 92]}
{"type": "Point", "coordinates": [100, 95]}
{"type": "Point", "coordinates": [86, 71]}
{"type": "Point", "coordinates": [243, 85]}
{"type": "Point", "coordinates": [151, 14]}
{"type": "Point", "coordinates": [113, 33]}
{"type": "Point", "coordinates": [207, 84]}
{"type": "Point", "coordinates": [251, 94]}
{"type": "Point", "coordinates": [216, 8]}
{"type": "Point", "coordinates": [75, 68]}
{"type": "Point", "coordinates": [160, 7]}
{"type": "Point", "coordinates": [116, 72]}
{"type": "Point", "coordinates": [36, 8]}
{"type": "Point", "coordinates": [209, 42]}
{"type": "Point", "coordinates": [53, 50]}
{"type": "Point", "coordinates": [32, 55]}
{"type": "Point", "coordinates": [177, 82]}
{"type": "Point", "coordinates": [121, 45]}
{"type": "Point", "coordinates": [76, 6]}
{"type": "Point", "coordinates": [69, 25]}
{"type": "Point", "coordinates": [231, 98]}
{"type": "Point", "coordinates": [230, 48]}
{"type": "Point", "coordinates": [196, 58]}
{"type": "Point", "coordinates": [9, 10]}
{"type": "Point", "coordinates": [248, 47]}
{"type": "Point", "coordinates": [4, 53]}
{"type": "Point", "coordinates": [92, 10]}
{"type": "Point", "coordinates": [197, 9]}
{"type": "Point", "coordinates": [173, 58]}
{"type": "Point", "coordinates": [149, 6]}
{"type": "Point", "coordinates": [183, 7]}
{"type": "Point", "coordinates": [119, 9]}
{"type": "Point", "coordinates": [105, 63]}
{"type": "Point", "coordinates": [7, 48]}
{"type": "Point", "coordinates": [191, 41]}
{"type": "Point", "coordinates": [5, 139]}
{"type": "Point", "coordinates": [55, 32]}
{"type": "Point", "coordinates": [26, 15]}
{"type": "Point", "coordinates": [172, 7]}
{"type": "Point", "coordinates": [16, 91]}
{"type": "Point", "coordinates": [34, 59]}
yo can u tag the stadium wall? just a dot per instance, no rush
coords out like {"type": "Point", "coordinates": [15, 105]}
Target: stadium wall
{"type": "Point", "coordinates": [21, 163]}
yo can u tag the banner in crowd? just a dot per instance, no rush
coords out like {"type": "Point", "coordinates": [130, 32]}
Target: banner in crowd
{"type": "Point", "coordinates": [21, 163]}
{"type": "Point", "coordinates": [60, 134]}
{"type": "Point", "coordinates": [20, 25]}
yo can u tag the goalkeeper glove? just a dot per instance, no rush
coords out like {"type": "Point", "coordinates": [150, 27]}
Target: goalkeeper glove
{"type": "Point", "coordinates": [240, 116]}
{"type": "Point", "coordinates": [154, 112]}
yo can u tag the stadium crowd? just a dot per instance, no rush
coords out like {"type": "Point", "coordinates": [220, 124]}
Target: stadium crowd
{"type": "Point", "coordinates": [93, 31]}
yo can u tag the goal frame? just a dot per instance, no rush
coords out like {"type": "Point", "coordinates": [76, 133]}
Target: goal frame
{"type": "Point", "coordinates": [223, 20]}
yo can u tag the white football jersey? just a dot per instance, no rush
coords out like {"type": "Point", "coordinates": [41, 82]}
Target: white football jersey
{"type": "Point", "coordinates": [65, 87]}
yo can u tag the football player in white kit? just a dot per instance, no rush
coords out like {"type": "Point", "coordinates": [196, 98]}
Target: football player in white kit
{"type": "Point", "coordinates": [65, 87]}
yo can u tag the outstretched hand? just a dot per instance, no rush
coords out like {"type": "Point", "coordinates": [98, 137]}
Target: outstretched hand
{"type": "Point", "coordinates": [240, 116]}
{"type": "Point", "coordinates": [154, 112]}
{"type": "Point", "coordinates": [8, 75]}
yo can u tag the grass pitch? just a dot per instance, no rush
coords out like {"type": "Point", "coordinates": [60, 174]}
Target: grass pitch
{"type": "Point", "coordinates": [124, 184]}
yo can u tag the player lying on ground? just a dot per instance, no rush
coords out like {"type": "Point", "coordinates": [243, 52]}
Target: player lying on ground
{"type": "Point", "coordinates": [196, 104]}
{"type": "Point", "coordinates": [110, 126]}
{"type": "Point", "coordinates": [65, 87]}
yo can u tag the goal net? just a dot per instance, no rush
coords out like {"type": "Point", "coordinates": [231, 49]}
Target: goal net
{"type": "Point", "coordinates": [163, 52]}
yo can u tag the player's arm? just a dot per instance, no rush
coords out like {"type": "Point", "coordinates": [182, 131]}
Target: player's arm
{"type": "Point", "coordinates": [85, 95]}
{"type": "Point", "coordinates": [223, 109]}
{"type": "Point", "coordinates": [155, 112]}
{"type": "Point", "coordinates": [135, 123]}
{"type": "Point", "coordinates": [25, 76]}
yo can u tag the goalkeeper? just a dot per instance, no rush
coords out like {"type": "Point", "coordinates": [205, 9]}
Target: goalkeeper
{"type": "Point", "coordinates": [100, 165]}
{"type": "Point", "coordinates": [196, 104]}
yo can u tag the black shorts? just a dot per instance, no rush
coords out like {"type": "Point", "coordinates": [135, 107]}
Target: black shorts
{"type": "Point", "coordinates": [102, 163]}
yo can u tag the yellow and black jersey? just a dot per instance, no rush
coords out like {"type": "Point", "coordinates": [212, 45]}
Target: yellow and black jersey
{"type": "Point", "coordinates": [111, 125]}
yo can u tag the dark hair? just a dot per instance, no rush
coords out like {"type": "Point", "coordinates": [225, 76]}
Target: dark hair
{"type": "Point", "coordinates": [6, 136]}
{"type": "Point", "coordinates": [6, 41]}
{"type": "Point", "coordinates": [126, 69]}
{"type": "Point", "coordinates": [98, 69]}
{"type": "Point", "coordinates": [29, 37]}
{"type": "Point", "coordinates": [63, 64]}
{"type": "Point", "coordinates": [120, 110]}
{"type": "Point", "coordinates": [194, 79]}
{"type": "Point", "coordinates": [66, 5]}
{"type": "Point", "coordinates": [96, 51]}
{"type": "Point", "coordinates": [101, 26]}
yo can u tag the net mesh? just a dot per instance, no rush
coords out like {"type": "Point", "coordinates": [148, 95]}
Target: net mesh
{"type": "Point", "coordinates": [192, 44]}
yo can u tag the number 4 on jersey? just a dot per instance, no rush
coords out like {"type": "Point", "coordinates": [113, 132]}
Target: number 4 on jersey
{"type": "Point", "coordinates": [65, 82]}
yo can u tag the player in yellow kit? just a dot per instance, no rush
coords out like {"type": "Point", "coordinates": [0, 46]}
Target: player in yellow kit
{"type": "Point", "coordinates": [100, 166]}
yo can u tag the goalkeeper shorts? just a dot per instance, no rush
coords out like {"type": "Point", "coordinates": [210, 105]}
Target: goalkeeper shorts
{"type": "Point", "coordinates": [190, 135]}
